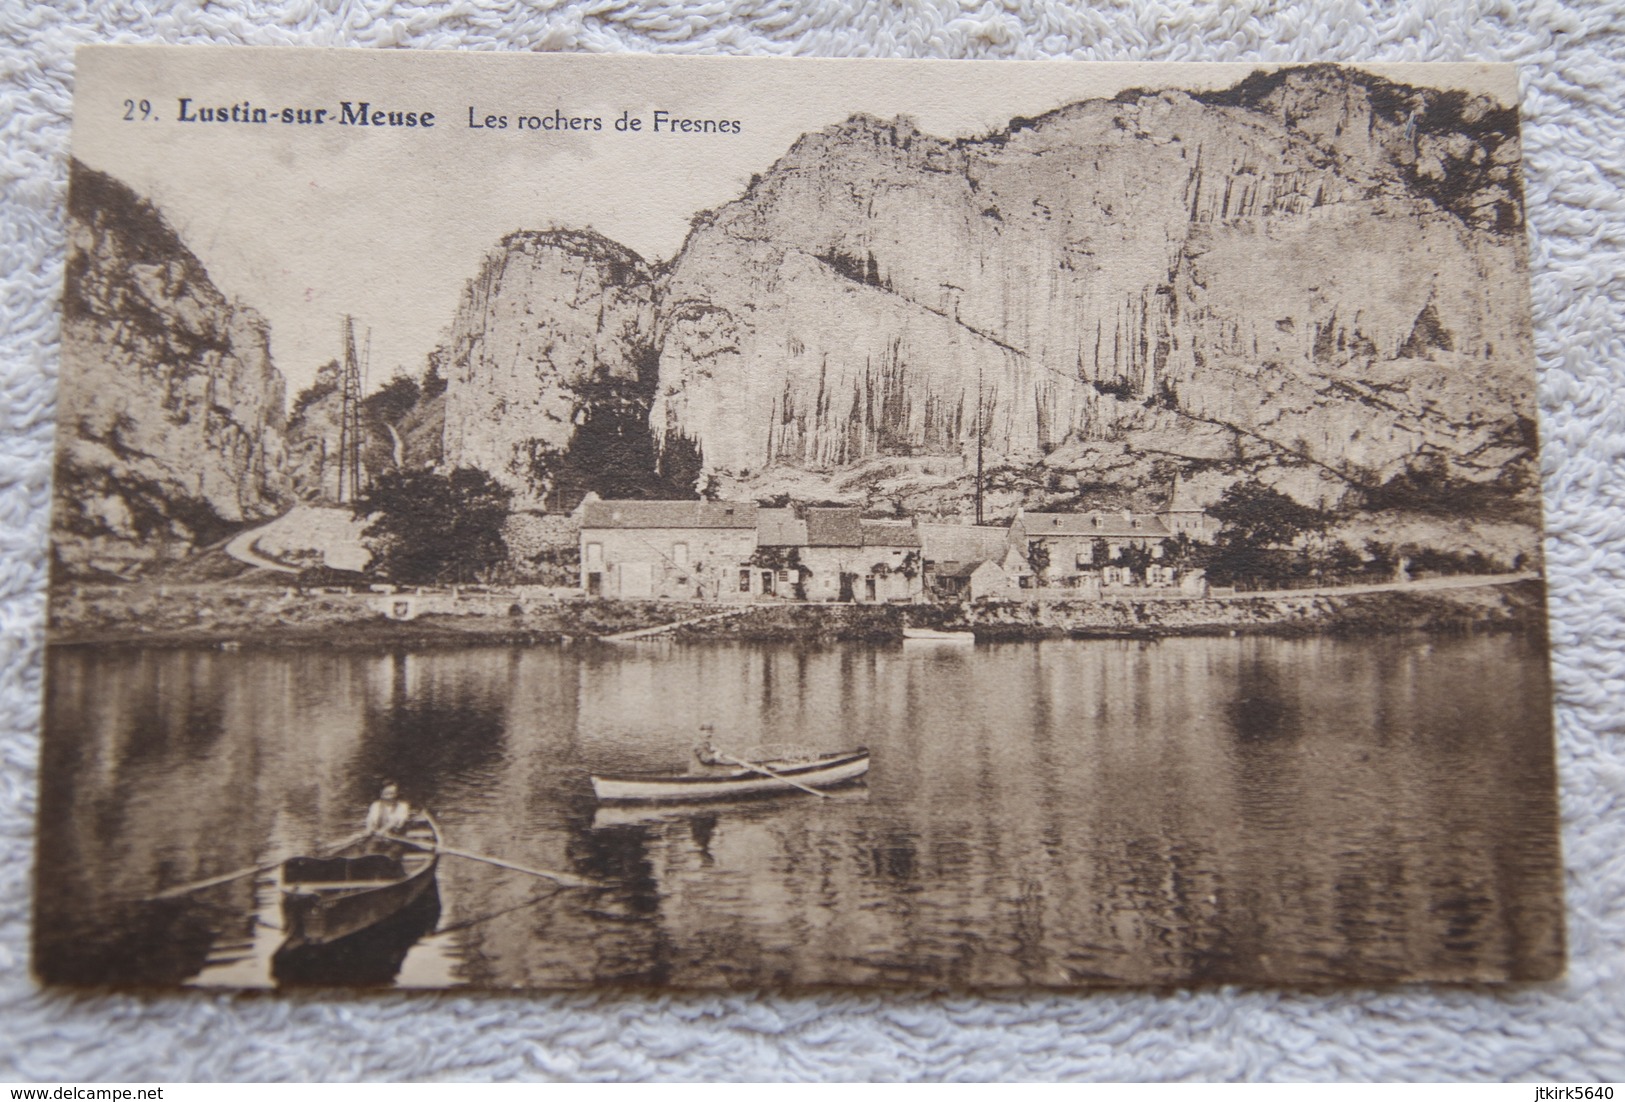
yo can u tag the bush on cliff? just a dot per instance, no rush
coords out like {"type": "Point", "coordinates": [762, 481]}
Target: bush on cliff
{"type": "Point", "coordinates": [427, 528]}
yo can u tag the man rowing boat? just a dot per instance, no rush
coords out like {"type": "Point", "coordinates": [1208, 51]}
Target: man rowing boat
{"type": "Point", "coordinates": [389, 813]}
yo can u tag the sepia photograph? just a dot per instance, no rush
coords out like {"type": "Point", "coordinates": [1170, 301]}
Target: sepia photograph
{"type": "Point", "coordinates": [567, 521]}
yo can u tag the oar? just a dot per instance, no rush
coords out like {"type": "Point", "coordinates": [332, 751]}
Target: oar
{"type": "Point", "coordinates": [238, 874]}
{"type": "Point", "coordinates": [557, 877]}
{"type": "Point", "coordinates": [776, 776]}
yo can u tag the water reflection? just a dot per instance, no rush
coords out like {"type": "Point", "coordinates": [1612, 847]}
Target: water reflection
{"type": "Point", "coordinates": [1055, 813]}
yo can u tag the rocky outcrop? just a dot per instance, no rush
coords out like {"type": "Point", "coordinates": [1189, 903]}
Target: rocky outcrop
{"type": "Point", "coordinates": [401, 427]}
{"type": "Point", "coordinates": [1318, 271]}
{"type": "Point", "coordinates": [314, 436]}
{"type": "Point", "coordinates": [555, 330]}
{"type": "Point", "coordinates": [170, 411]}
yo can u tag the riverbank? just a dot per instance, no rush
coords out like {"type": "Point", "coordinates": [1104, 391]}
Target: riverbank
{"type": "Point", "coordinates": [1517, 606]}
{"type": "Point", "coordinates": [220, 616]}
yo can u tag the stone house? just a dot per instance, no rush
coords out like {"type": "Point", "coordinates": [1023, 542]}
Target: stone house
{"type": "Point", "coordinates": [974, 581]}
{"type": "Point", "coordinates": [1080, 550]}
{"type": "Point", "coordinates": [669, 549]}
{"type": "Point", "coordinates": [833, 554]}
{"type": "Point", "coordinates": [954, 553]}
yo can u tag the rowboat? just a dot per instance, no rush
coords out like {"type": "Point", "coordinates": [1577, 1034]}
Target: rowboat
{"type": "Point", "coordinates": [932, 635]}
{"type": "Point", "coordinates": [759, 777]}
{"type": "Point", "coordinates": [363, 885]}
{"type": "Point", "coordinates": [368, 958]}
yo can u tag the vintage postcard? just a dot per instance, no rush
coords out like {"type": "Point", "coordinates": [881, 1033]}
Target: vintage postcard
{"type": "Point", "coordinates": [533, 521]}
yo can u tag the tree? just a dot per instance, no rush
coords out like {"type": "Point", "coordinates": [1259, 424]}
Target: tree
{"type": "Point", "coordinates": [427, 528]}
{"type": "Point", "coordinates": [1038, 557]}
{"type": "Point", "coordinates": [1135, 557]}
{"type": "Point", "coordinates": [433, 383]}
{"type": "Point", "coordinates": [1259, 525]}
{"type": "Point", "coordinates": [1257, 516]}
{"type": "Point", "coordinates": [1178, 551]}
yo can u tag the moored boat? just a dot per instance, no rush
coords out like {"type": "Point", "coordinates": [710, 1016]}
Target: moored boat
{"type": "Point", "coordinates": [745, 779]}
{"type": "Point", "coordinates": [363, 885]}
{"type": "Point", "coordinates": [933, 635]}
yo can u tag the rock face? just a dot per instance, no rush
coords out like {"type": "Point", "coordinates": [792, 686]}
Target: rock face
{"type": "Point", "coordinates": [555, 329]}
{"type": "Point", "coordinates": [314, 436]}
{"type": "Point", "coordinates": [170, 411]}
{"type": "Point", "coordinates": [400, 427]}
{"type": "Point", "coordinates": [1317, 270]}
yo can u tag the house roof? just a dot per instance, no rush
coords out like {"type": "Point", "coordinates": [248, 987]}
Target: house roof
{"type": "Point", "coordinates": [1179, 499]}
{"type": "Point", "coordinates": [957, 569]}
{"type": "Point", "coordinates": [780, 528]}
{"type": "Point", "coordinates": [1105, 524]}
{"type": "Point", "coordinates": [669, 514]}
{"type": "Point", "coordinates": [889, 533]}
{"type": "Point", "coordinates": [963, 542]}
{"type": "Point", "coordinates": [834, 527]}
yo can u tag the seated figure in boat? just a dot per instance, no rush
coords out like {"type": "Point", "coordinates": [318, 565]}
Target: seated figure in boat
{"type": "Point", "coordinates": [389, 814]}
{"type": "Point", "coordinates": [708, 754]}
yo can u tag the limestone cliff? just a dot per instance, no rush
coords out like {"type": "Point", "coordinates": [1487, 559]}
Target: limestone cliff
{"type": "Point", "coordinates": [1317, 271]}
{"type": "Point", "coordinates": [553, 332]}
{"type": "Point", "coordinates": [314, 436]}
{"type": "Point", "coordinates": [170, 412]}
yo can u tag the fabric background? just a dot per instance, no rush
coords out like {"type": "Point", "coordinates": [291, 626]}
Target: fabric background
{"type": "Point", "coordinates": [1571, 55]}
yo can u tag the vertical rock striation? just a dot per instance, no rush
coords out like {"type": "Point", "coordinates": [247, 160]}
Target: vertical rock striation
{"type": "Point", "coordinates": [555, 326]}
{"type": "Point", "coordinates": [170, 411]}
{"type": "Point", "coordinates": [1319, 265]}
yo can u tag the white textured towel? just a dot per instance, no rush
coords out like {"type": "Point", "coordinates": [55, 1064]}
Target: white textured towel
{"type": "Point", "coordinates": [1573, 58]}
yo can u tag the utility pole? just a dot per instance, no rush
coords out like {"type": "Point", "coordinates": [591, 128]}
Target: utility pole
{"type": "Point", "coordinates": [350, 418]}
{"type": "Point", "coordinates": [979, 435]}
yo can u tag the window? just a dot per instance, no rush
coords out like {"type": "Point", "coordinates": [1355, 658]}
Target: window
{"type": "Point", "coordinates": [744, 581]}
{"type": "Point", "coordinates": [679, 554]}
{"type": "Point", "coordinates": [784, 575]}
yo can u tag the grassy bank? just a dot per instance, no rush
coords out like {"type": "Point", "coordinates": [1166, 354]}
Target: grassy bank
{"type": "Point", "coordinates": [213, 615]}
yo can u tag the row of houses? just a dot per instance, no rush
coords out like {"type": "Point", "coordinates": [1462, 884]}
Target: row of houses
{"type": "Point", "coordinates": [741, 551]}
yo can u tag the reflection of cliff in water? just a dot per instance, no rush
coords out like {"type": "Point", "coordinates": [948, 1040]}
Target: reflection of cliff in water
{"type": "Point", "coordinates": [1188, 810]}
{"type": "Point", "coordinates": [370, 958]}
{"type": "Point", "coordinates": [141, 944]}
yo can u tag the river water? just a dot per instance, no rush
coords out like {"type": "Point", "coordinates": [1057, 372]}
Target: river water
{"type": "Point", "coordinates": [1056, 813]}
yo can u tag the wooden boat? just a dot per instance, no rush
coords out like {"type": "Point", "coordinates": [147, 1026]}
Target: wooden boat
{"type": "Point", "coordinates": [932, 635]}
{"type": "Point", "coordinates": [819, 771]}
{"type": "Point", "coordinates": [368, 958]}
{"type": "Point", "coordinates": [358, 888]}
